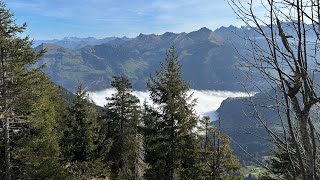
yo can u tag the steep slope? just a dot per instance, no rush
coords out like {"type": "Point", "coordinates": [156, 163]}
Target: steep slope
{"type": "Point", "coordinates": [242, 122]}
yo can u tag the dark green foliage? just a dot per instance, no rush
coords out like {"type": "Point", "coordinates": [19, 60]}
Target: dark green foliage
{"type": "Point", "coordinates": [81, 129]}
{"type": "Point", "coordinates": [152, 137]}
{"type": "Point", "coordinates": [83, 140]}
{"type": "Point", "coordinates": [39, 148]}
{"type": "Point", "coordinates": [172, 148]}
{"type": "Point", "coordinates": [123, 118]}
{"type": "Point", "coordinates": [28, 111]}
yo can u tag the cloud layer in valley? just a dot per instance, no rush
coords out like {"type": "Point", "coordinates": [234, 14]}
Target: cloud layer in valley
{"type": "Point", "coordinates": [207, 101]}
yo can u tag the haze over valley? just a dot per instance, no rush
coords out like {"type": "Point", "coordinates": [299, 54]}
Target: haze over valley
{"type": "Point", "coordinates": [208, 101]}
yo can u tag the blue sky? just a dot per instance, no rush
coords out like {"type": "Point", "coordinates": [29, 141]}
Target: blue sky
{"type": "Point", "coordinates": [49, 19]}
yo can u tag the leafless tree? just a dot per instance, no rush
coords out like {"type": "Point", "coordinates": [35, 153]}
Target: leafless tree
{"type": "Point", "coordinates": [288, 63]}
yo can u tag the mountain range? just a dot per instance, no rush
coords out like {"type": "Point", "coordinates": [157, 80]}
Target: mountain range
{"type": "Point", "coordinates": [208, 60]}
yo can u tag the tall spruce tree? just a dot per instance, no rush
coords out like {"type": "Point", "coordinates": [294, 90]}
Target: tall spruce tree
{"type": "Point", "coordinates": [81, 138]}
{"type": "Point", "coordinates": [175, 142]}
{"type": "Point", "coordinates": [123, 118]}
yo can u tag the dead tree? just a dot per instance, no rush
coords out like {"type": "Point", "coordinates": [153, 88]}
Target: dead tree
{"type": "Point", "coordinates": [289, 63]}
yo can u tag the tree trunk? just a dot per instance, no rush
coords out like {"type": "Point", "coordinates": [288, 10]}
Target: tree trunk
{"type": "Point", "coordinates": [303, 119]}
{"type": "Point", "coordinates": [172, 158]}
{"type": "Point", "coordinates": [7, 148]}
{"type": "Point", "coordinates": [305, 138]}
{"type": "Point", "coordinates": [6, 119]}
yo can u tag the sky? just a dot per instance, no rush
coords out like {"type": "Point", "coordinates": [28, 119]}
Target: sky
{"type": "Point", "coordinates": [49, 19]}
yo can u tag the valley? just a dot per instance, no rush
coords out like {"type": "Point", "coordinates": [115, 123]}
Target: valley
{"type": "Point", "coordinates": [210, 65]}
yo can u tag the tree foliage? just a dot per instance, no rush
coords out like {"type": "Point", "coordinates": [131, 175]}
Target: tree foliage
{"type": "Point", "coordinates": [17, 81]}
{"type": "Point", "coordinates": [81, 133]}
{"type": "Point", "coordinates": [83, 142]}
{"type": "Point", "coordinates": [38, 147]}
{"type": "Point", "coordinates": [174, 144]}
{"type": "Point", "coordinates": [122, 119]}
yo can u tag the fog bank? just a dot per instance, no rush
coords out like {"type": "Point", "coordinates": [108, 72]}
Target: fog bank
{"type": "Point", "coordinates": [208, 101]}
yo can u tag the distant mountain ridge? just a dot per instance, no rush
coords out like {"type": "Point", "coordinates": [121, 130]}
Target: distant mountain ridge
{"type": "Point", "coordinates": [208, 60]}
{"type": "Point", "coordinates": [77, 43]}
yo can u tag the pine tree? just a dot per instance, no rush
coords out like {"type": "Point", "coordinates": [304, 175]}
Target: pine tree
{"type": "Point", "coordinates": [175, 144]}
{"type": "Point", "coordinates": [81, 138]}
{"type": "Point", "coordinates": [123, 118]}
{"type": "Point", "coordinates": [16, 54]}
{"type": "Point", "coordinates": [216, 157]}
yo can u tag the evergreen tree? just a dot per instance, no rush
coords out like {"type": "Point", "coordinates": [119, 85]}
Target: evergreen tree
{"type": "Point", "coordinates": [151, 137]}
{"type": "Point", "coordinates": [217, 160]}
{"type": "Point", "coordinates": [16, 54]}
{"type": "Point", "coordinates": [123, 118]}
{"type": "Point", "coordinates": [81, 138]}
{"type": "Point", "coordinates": [39, 149]}
{"type": "Point", "coordinates": [174, 146]}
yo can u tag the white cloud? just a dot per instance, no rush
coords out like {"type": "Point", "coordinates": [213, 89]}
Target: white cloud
{"type": "Point", "coordinates": [207, 101]}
